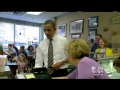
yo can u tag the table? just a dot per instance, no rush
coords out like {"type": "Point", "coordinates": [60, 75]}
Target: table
{"type": "Point", "coordinates": [11, 63]}
{"type": "Point", "coordinates": [12, 66]}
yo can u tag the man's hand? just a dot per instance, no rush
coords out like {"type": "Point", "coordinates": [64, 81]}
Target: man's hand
{"type": "Point", "coordinates": [57, 65]}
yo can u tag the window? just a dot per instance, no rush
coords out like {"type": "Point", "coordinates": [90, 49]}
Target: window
{"type": "Point", "coordinates": [26, 35]}
{"type": "Point", "coordinates": [20, 34]}
{"type": "Point", "coordinates": [6, 34]}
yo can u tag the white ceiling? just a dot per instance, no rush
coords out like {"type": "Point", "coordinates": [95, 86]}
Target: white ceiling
{"type": "Point", "coordinates": [32, 18]}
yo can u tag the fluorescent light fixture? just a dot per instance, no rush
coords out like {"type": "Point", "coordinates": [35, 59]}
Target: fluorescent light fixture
{"type": "Point", "coordinates": [34, 13]}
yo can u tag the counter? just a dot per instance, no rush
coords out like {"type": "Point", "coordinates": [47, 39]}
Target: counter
{"type": "Point", "coordinates": [107, 64]}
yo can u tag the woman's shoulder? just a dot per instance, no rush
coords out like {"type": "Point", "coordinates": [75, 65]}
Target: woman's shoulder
{"type": "Point", "coordinates": [97, 50]}
{"type": "Point", "coordinates": [18, 62]}
{"type": "Point", "coordinates": [109, 49]}
{"type": "Point", "coordinates": [87, 60]}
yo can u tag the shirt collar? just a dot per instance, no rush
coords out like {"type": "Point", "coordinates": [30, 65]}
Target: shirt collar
{"type": "Point", "coordinates": [54, 38]}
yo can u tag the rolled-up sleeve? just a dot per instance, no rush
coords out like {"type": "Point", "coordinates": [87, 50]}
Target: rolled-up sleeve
{"type": "Point", "coordinates": [39, 58]}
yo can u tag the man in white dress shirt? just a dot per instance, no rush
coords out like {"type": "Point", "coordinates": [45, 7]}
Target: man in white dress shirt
{"type": "Point", "coordinates": [60, 61]}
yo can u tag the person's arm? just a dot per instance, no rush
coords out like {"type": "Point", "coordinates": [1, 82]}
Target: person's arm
{"type": "Point", "coordinates": [65, 60]}
{"type": "Point", "coordinates": [109, 52]}
{"type": "Point", "coordinates": [59, 64]}
{"type": "Point", "coordinates": [39, 58]}
{"type": "Point", "coordinates": [15, 58]}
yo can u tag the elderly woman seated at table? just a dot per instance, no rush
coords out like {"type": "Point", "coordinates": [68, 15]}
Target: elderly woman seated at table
{"type": "Point", "coordinates": [87, 68]}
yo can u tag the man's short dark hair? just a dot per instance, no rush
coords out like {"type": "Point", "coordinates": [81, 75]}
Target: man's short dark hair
{"type": "Point", "coordinates": [99, 35]}
{"type": "Point", "coordinates": [10, 45]}
{"type": "Point", "coordinates": [50, 22]}
{"type": "Point", "coordinates": [22, 47]}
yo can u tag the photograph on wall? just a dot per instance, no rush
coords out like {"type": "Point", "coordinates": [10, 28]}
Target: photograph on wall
{"type": "Point", "coordinates": [92, 34]}
{"type": "Point", "coordinates": [75, 36]}
{"type": "Point", "coordinates": [115, 19]}
{"type": "Point", "coordinates": [61, 30]}
{"type": "Point", "coordinates": [93, 22]}
{"type": "Point", "coordinates": [76, 26]}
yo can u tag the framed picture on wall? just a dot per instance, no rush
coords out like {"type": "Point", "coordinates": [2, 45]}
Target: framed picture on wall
{"type": "Point", "coordinates": [92, 33]}
{"type": "Point", "coordinates": [75, 36]}
{"type": "Point", "coordinates": [61, 30]}
{"type": "Point", "coordinates": [93, 22]}
{"type": "Point", "coordinates": [115, 19]}
{"type": "Point", "coordinates": [76, 26]}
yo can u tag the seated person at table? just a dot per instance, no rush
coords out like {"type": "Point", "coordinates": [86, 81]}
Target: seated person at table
{"type": "Point", "coordinates": [87, 68]}
{"type": "Point", "coordinates": [116, 64]}
{"type": "Point", "coordinates": [22, 63]}
{"type": "Point", "coordinates": [16, 49]}
{"type": "Point", "coordinates": [13, 68]}
{"type": "Point", "coordinates": [103, 51]}
{"type": "Point", "coordinates": [30, 51]}
{"type": "Point", "coordinates": [22, 50]}
{"type": "Point", "coordinates": [96, 43]}
{"type": "Point", "coordinates": [10, 50]}
{"type": "Point", "coordinates": [11, 53]}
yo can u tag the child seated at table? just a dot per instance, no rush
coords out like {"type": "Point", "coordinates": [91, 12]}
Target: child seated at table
{"type": "Point", "coordinates": [116, 64]}
{"type": "Point", "coordinates": [22, 63]}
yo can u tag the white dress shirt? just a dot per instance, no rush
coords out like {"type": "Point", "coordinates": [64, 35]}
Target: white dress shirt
{"type": "Point", "coordinates": [59, 53]}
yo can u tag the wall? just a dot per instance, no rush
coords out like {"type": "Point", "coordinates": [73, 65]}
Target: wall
{"type": "Point", "coordinates": [104, 22]}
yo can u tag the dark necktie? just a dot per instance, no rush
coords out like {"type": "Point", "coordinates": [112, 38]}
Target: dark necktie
{"type": "Point", "coordinates": [50, 57]}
